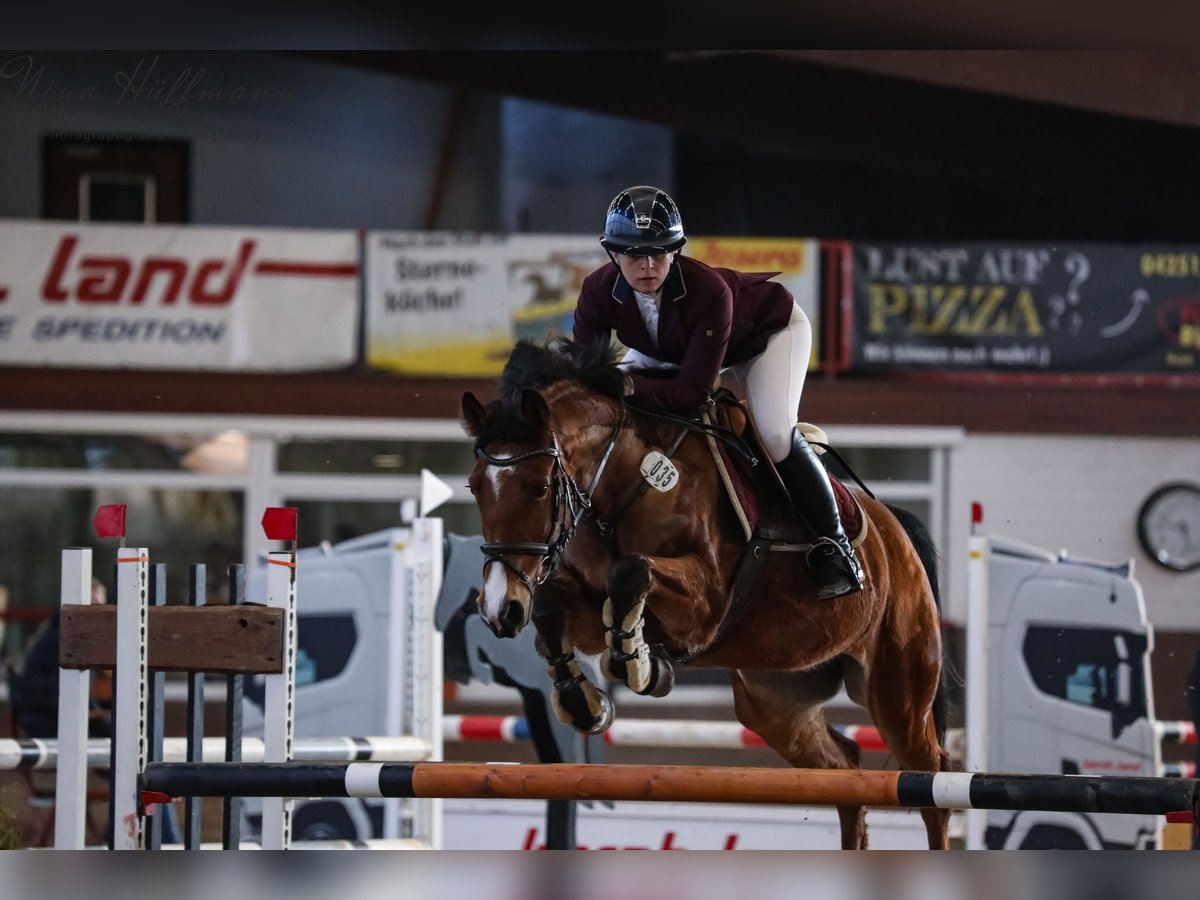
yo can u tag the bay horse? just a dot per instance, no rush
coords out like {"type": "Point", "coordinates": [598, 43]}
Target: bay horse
{"type": "Point", "coordinates": [645, 567]}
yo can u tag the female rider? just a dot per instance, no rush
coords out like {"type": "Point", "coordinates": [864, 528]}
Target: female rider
{"type": "Point", "coordinates": [678, 313]}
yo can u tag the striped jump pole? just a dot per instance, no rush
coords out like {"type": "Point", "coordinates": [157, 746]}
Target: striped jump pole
{"type": "Point", "coordinates": [675, 784]}
{"type": "Point", "coordinates": [694, 733]}
{"type": "Point", "coordinates": [42, 753]}
{"type": "Point", "coordinates": [1176, 732]}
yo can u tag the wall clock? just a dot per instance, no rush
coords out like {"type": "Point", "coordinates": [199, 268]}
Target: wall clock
{"type": "Point", "coordinates": [1169, 526]}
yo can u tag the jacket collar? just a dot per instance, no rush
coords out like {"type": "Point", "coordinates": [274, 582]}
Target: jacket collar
{"type": "Point", "coordinates": [674, 288]}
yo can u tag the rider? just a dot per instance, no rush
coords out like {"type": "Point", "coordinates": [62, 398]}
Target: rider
{"type": "Point", "coordinates": [678, 313]}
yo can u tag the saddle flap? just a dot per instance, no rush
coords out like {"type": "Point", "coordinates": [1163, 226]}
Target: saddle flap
{"type": "Point", "coordinates": [751, 489]}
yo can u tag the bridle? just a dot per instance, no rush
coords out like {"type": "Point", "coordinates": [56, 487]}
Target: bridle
{"type": "Point", "coordinates": [571, 503]}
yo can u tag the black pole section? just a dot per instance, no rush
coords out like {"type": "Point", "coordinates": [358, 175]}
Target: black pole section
{"type": "Point", "coordinates": [262, 779]}
{"type": "Point", "coordinates": [1106, 794]}
{"type": "Point", "coordinates": [1127, 795]}
{"type": "Point", "coordinates": [231, 808]}
{"type": "Point", "coordinates": [154, 711]}
{"type": "Point", "coordinates": [197, 588]}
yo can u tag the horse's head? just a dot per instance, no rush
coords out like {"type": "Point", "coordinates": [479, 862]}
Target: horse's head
{"type": "Point", "coordinates": [528, 501]}
{"type": "Point", "coordinates": [513, 482]}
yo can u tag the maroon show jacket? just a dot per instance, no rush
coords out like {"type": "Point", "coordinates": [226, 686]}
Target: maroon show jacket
{"type": "Point", "coordinates": [709, 319]}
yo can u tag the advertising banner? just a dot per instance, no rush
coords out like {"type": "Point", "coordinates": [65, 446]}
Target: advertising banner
{"type": "Point", "coordinates": [177, 297]}
{"type": "Point", "coordinates": [448, 303]}
{"type": "Point", "coordinates": [453, 304]}
{"type": "Point", "coordinates": [1098, 309]}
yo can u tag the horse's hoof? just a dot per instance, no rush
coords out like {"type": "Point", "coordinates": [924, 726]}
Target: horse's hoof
{"type": "Point", "coordinates": [608, 712]}
{"type": "Point", "coordinates": [662, 677]}
{"type": "Point", "coordinates": [584, 707]}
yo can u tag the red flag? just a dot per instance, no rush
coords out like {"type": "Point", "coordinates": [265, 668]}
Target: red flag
{"type": "Point", "coordinates": [109, 520]}
{"type": "Point", "coordinates": [279, 523]}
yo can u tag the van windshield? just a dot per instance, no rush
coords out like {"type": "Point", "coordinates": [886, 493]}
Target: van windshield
{"type": "Point", "coordinates": [1103, 669]}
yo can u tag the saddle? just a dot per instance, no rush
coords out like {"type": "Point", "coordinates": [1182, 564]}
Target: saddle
{"type": "Point", "coordinates": [756, 491]}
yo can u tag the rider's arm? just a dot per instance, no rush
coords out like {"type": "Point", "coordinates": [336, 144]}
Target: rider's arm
{"type": "Point", "coordinates": [592, 315]}
{"type": "Point", "coordinates": [707, 339]}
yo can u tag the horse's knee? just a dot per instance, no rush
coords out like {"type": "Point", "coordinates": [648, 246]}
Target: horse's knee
{"type": "Point", "coordinates": [630, 578]}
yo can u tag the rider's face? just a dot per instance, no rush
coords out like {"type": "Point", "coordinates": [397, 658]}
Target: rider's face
{"type": "Point", "coordinates": [645, 273]}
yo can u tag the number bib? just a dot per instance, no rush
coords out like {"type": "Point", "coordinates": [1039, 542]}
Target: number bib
{"type": "Point", "coordinates": [659, 471]}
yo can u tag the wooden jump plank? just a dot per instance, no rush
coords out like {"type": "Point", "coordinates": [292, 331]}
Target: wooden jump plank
{"type": "Point", "coordinates": [231, 640]}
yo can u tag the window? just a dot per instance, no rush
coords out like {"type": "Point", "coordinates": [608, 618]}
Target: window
{"type": "Point", "coordinates": [103, 177]}
{"type": "Point", "coordinates": [1093, 667]}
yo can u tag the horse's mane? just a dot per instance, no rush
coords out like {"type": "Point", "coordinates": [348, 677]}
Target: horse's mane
{"type": "Point", "coordinates": [535, 366]}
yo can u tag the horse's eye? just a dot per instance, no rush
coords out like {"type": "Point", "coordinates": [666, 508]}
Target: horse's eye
{"type": "Point", "coordinates": [541, 490]}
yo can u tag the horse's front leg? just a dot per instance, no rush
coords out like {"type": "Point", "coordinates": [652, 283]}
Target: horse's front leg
{"type": "Point", "coordinates": [575, 700]}
{"type": "Point", "coordinates": [676, 586]}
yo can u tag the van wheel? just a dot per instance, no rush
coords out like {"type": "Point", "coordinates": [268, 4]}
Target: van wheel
{"type": "Point", "coordinates": [323, 822]}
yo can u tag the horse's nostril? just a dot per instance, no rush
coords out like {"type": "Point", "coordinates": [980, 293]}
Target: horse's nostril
{"type": "Point", "coordinates": [512, 615]}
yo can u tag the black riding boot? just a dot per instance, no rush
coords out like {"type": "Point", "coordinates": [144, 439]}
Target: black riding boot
{"type": "Point", "coordinates": [832, 560]}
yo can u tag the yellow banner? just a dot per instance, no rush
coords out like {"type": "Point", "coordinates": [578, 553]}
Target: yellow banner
{"type": "Point", "coordinates": [455, 303]}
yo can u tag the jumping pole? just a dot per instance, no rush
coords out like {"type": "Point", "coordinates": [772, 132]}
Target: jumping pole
{"type": "Point", "coordinates": [699, 784]}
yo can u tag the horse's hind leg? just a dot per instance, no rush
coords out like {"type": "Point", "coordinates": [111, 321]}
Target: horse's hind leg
{"type": "Point", "coordinates": [784, 709]}
{"type": "Point", "coordinates": [902, 686]}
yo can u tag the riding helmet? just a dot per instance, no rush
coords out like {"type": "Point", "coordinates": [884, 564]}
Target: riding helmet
{"type": "Point", "coordinates": [643, 221]}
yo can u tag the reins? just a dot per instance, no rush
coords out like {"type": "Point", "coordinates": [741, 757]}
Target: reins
{"type": "Point", "coordinates": [696, 423]}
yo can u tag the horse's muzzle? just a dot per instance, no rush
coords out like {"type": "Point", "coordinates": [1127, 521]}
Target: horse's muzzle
{"type": "Point", "coordinates": [513, 617]}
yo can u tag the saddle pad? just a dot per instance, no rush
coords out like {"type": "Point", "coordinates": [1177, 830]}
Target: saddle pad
{"type": "Point", "coordinates": [741, 486]}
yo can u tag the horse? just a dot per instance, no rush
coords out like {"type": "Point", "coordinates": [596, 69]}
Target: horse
{"type": "Point", "coordinates": [605, 526]}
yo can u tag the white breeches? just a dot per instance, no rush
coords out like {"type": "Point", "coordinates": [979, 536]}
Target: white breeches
{"type": "Point", "coordinates": [774, 380]}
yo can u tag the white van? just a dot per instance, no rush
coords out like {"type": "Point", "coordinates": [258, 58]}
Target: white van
{"type": "Point", "coordinates": [1069, 689]}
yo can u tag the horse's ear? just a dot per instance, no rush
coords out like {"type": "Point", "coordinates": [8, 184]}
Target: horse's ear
{"type": "Point", "coordinates": [473, 414]}
{"type": "Point", "coordinates": [534, 409]}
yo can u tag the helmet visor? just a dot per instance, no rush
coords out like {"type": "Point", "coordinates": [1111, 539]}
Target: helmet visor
{"type": "Point", "coordinates": [633, 249]}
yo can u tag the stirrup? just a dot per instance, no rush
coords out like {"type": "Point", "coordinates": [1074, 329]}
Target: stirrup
{"type": "Point", "coordinates": [847, 578]}
{"type": "Point", "coordinates": [822, 542]}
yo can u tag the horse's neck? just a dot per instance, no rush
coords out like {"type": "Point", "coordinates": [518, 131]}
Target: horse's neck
{"type": "Point", "coordinates": [622, 477]}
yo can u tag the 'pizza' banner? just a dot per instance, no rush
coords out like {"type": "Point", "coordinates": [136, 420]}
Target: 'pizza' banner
{"type": "Point", "coordinates": [1067, 308]}
{"type": "Point", "coordinates": [453, 304]}
{"type": "Point", "coordinates": [177, 297]}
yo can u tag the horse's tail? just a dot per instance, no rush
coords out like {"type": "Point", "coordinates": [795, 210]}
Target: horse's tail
{"type": "Point", "coordinates": [927, 551]}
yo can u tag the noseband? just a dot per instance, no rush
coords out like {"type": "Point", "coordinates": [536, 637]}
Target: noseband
{"type": "Point", "coordinates": [570, 505]}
